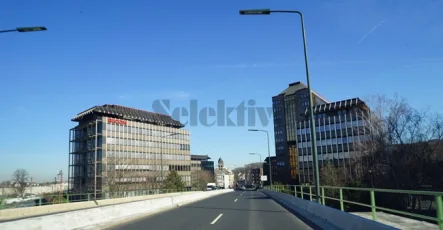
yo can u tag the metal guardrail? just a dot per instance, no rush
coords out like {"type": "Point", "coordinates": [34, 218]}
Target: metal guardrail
{"type": "Point", "coordinates": [300, 191]}
{"type": "Point", "coordinates": [60, 198]}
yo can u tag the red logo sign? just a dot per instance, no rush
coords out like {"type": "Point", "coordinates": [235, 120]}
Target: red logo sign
{"type": "Point", "coordinates": [117, 121]}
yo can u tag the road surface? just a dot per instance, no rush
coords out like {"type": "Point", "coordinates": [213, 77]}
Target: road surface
{"type": "Point", "coordinates": [234, 210]}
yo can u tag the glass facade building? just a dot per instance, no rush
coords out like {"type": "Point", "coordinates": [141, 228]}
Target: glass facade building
{"type": "Point", "coordinates": [120, 148]}
{"type": "Point", "coordinates": [288, 109]}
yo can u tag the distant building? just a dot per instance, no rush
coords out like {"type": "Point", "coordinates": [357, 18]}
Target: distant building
{"type": "Point", "coordinates": [273, 170]}
{"type": "Point", "coordinates": [223, 176]}
{"type": "Point", "coordinates": [255, 175]}
{"type": "Point", "coordinates": [202, 162]}
{"type": "Point", "coordinates": [116, 147]}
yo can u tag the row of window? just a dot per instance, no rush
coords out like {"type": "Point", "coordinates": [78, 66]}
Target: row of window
{"type": "Point", "coordinates": [144, 179]}
{"type": "Point", "coordinates": [148, 156]}
{"type": "Point", "coordinates": [304, 95]}
{"type": "Point", "coordinates": [90, 130]}
{"type": "Point", "coordinates": [278, 109]}
{"type": "Point", "coordinates": [277, 117]}
{"type": "Point", "coordinates": [148, 144]}
{"type": "Point", "coordinates": [279, 132]}
{"type": "Point", "coordinates": [111, 167]}
{"type": "Point", "coordinates": [335, 141]}
{"type": "Point", "coordinates": [279, 140]}
{"type": "Point", "coordinates": [120, 167]}
{"type": "Point", "coordinates": [332, 127]}
{"type": "Point", "coordinates": [144, 131]}
{"type": "Point", "coordinates": [276, 102]}
{"type": "Point", "coordinates": [340, 148]}
{"type": "Point", "coordinates": [305, 103]}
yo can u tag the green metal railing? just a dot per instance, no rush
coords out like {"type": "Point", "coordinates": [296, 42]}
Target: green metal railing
{"type": "Point", "coordinates": [338, 194]}
{"type": "Point", "coordinates": [59, 198]}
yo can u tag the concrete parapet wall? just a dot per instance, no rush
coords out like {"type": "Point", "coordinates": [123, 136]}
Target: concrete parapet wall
{"type": "Point", "coordinates": [16, 213]}
{"type": "Point", "coordinates": [94, 214]}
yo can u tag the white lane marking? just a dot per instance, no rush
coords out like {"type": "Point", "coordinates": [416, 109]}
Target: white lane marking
{"type": "Point", "coordinates": [235, 200]}
{"type": "Point", "coordinates": [218, 217]}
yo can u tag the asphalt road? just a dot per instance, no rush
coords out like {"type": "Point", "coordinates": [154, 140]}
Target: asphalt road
{"type": "Point", "coordinates": [234, 210]}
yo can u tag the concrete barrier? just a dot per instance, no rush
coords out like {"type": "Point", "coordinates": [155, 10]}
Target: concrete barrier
{"type": "Point", "coordinates": [104, 215]}
{"type": "Point", "coordinates": [18, 213]}
{"type": "Point", "coordinates": [323, 216]}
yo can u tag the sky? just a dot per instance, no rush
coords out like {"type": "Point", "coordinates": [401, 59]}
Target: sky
{"type": "Point", "coordinates": [136, 52]}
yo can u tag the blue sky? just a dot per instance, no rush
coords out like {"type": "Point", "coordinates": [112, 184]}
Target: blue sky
{"type": "Point", "coordinates": [135, 52]}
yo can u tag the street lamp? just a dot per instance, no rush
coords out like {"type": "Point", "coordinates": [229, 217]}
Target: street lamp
{"type": "Point", "coordinates": [25, 29]}
{"type": "Point", "coordinates": [311, 111]}
{"type": "Point", "coordinates": [269, 152]}
{"type": "Point", "coordinates": [161, 153]}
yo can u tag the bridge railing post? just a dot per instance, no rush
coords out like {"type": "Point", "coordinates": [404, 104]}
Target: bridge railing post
{"type": "Point", "coordinates": [310, 193]}
{"type": "Point", "coordinates": [373, 207]}
{"type": "Point", "coordinates": [342, 207]}
{"type": "Point", "coordinates": [295, 190]}
{"type": "Point", "coordinates": [439, 209]}
{"type": "Point", "coordinates": [301, 191]}
{"type": "Point", "coordinates": [323, 196]}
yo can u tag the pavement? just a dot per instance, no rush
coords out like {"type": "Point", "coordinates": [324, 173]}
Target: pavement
{"type": "Point", "coordinates": [233, 210]}
{"type": "Point", "coordinates": [398, 221]}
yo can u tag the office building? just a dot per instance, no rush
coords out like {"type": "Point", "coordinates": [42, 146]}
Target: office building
{"type": "Point", "coordinates": [202, 163]}
{"type": "Point", "coordinates": [273, 169]}
{"type": "Point", "coordinates": [115, 148]}
{"type": "Point", "coordinates": [340, 127]}
{"type": "Point", "coordinates": [288, 109]}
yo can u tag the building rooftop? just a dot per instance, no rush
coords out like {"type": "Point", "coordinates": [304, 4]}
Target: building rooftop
{"type": "Point", "coordinates": [126, 113]}
{"type": "Point", "coordinates": [349, 103]}
{"type": "Point", "coordinates": [200, 157]}
{"type": "Point", "coordinates": [296, 86]}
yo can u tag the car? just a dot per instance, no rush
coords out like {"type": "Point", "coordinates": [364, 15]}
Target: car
{"type": "Point", "coordinates": [250, 187]}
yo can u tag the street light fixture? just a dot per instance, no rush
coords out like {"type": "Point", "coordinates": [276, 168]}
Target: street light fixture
{"type": "Point", "coordinates": [269, 152]}
{"type": "Point", "coordinates": [311, 110]}
{"type": "Point", "coordinates": [161, 153]}
{"type": "Point", "coordinates": [25, 29]}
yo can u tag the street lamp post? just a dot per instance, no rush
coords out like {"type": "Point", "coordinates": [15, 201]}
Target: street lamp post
{"type": "Point", "coordinates": [161, 153]}
{"type": "Point", "coordinates": [311, 107]}
{"type": "Point", "coordinates": [269, 152]}
{"type": "Point", "coordinates": [25, 29]}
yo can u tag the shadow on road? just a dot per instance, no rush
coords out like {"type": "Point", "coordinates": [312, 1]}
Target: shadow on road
{"type": "Point", "coordinates": [234, 209]}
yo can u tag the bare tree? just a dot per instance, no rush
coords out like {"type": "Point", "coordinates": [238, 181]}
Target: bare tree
{"type": "Point", "coordinates": [400, 150]}
{"type": "Point", "coordinates": [238, 172]}
{"type": "Point", "coordinates": [20, 179]}
{"type": "Point", "coordinates": [201, 179]}
{"type": "Point", "coordinates": [115, 176]}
